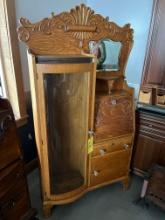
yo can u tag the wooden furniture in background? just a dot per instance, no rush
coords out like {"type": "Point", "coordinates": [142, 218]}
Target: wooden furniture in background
{"type": "Point", "coordinates": [153, 188]}
{"type": "Point", "coordinates": [144, 97]}
{"type": "Point", "coordinates": [69, 112]}
{"type": "Point", "coordinates": [153, 72]}
{"type": "Point", "coordinates": [156, 187]}
{"type": "Point", "coordinates": [149, 146]}
{"type": "Point", "coordinates": [150, 129]}
{"type": "Point", "coordinates": [14, 196]}
{"type": "Point", "coordinates": [152, 97]}
{"type": "Point", "coordinates": [11, 61]}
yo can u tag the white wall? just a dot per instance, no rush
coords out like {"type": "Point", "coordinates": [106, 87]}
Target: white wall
{"type": "Point", "coordinates": [35, 10]}
{"type": "Point", "coordinates": [138, 14]}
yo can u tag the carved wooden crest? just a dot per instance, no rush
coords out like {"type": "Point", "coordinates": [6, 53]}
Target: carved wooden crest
{"type": "Point", "coordinates": [70, 32]}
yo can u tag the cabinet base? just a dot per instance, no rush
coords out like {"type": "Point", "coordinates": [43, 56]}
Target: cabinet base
{"type": "Point", "coordinates": [49, 204]}
{"type": "Point", "coordinates": [47, 210]}
{"type": "Point", "coordinates": [126, 183]}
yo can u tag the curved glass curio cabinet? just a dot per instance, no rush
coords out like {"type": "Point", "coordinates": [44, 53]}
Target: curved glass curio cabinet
{"type": "Point", "coordinates": [63, 118]}
{"type": "Point", "coordinates": [82, 106]}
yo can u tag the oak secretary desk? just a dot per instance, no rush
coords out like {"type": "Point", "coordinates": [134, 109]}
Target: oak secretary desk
{"type": "Point", "coordinates": [83, 116]}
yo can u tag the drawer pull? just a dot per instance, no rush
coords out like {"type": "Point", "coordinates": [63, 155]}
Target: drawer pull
{"type": "Point", "coordinates": [96, 173]}
{"type": "Point", "coordinates": [5, 124]}
{"type": "Point", "coordinates": [21, 157]}
{"type": "Point", "coordinates": [113, 102]}
{"type": "Point", "coordinates": [18, 175]}
{"type": "Point", "coordinates": [102, 152]}
{"type": "Point", "coordinates": [12, 204]}
{"type": "Point", "coordinates": [126, 146]}
{"type": "Point", "coordinates": [9, 205]}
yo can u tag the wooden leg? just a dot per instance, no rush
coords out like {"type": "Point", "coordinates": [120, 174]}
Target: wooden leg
{"type": "Point", "coordinates": [126, 183]}
{"type": "Point", "coordinates": [47, 210]}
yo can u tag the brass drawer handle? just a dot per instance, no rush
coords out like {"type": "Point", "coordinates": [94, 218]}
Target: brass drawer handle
{"type": "Point", "coordinates": [5, 124]}
{"type": "Point", "coordinates": [12, 204]}
{"type": "Point", "coordinates": [126, 146]}
{"type": "Point", "coordinates": [9, 205]}
{"type": "Point", "coordinates": [102, 152]}
{"type": "Point", "coordinates": [18, 175]}
{"type": "Point", "coordinates": [91, 133]}
{"type": "Point", "coordinates": [114, 102]}
{"type": "Point", "coordinates": [96, 172]}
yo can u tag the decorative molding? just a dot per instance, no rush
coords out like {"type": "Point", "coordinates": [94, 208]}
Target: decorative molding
{"type": "Point", "coordinates": [78, 27]}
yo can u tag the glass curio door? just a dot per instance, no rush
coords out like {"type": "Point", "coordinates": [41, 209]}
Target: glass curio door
{"type": "Point", "coordinates": [65, 110]}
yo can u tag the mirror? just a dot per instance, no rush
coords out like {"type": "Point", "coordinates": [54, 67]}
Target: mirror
{"type": "Point", "coordinates": [107, 52]}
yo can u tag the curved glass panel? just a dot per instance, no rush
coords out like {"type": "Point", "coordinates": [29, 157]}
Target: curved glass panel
{"type": "Point", "coordinates": [66, 98]}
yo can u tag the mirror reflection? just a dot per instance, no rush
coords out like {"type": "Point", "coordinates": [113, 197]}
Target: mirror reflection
{"type": "Point", "coordinates": [107, 52]}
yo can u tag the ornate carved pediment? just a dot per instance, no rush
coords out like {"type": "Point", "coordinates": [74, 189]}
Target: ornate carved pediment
{"type": "Point", "coordinates": [70, 32]}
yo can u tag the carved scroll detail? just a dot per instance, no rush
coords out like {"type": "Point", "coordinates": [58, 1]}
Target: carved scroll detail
{"type": "Point", "coordinates": [27, 27]}
{"type": "Point", "coordinates": [106, 111]}
{"type": "Point", "coordinates": [81, 24]}
{"type": "Point", "coordinates": [78, 21]}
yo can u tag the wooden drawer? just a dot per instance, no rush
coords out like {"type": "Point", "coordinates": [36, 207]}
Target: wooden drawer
{"type": "Point", "coordinates": [150, 131]}
{"type": "Point", "coordinates": [9, 147]}
{"type": "Point", "coordinates": [151, 123]}
{"type": "Point", "coordinates": [149, 145]}
{"type": "Point", "coordinates": [11, 176]}
{"type": "Point", "coordinates": [116, 144]}
{"type": "Point", "coordinates": [14, 205]}
{"type": "Point", "coordinates": [109, 167]}
{"type": "Point", "coordinates": [14, 198]}
{"type": "Point", "coordinates": [14, 201]}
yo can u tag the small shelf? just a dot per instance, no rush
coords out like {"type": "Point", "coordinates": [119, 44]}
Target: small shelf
{"type": "Point", "coordinates": [109, 81]}
{"type": "Point", "coordinates": [101, 75]}
{"type": "Point", "coordinates": [107, 78]}
{"type": "Point", "coordinates": [108, 67]}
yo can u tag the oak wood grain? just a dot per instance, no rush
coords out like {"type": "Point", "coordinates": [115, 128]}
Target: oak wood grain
{"type": "Point", "coordinates": [68, 102]}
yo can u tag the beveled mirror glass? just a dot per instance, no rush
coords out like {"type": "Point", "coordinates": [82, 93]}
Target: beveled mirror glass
{"type": "Point", "coordinates": [107, 52]}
